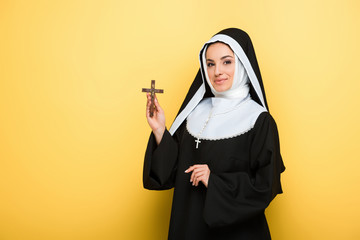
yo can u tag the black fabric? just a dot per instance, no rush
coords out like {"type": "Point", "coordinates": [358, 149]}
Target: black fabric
{"type": "Point", "coordinates": [245, 177]}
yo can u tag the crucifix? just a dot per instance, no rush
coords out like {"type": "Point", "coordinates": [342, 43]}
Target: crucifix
{"type": "Point", "coordinates": [152, 92]}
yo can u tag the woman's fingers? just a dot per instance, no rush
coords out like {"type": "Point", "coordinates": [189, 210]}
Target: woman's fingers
{"type": "Point", "coordinates": [199, 173]}
{"type": "Point", "coordinates": [196, 173]}
{"type": "Point", "coordinates": [149, 105]}
{"type": "Point", "coordinates": [189, 169]}
{"type": "Point", "coordinates": [157, 105]}
{"type": "Point", "coordinates": [197, 166]}
{"type": "Point", "coordinates": [201, 179]}
{"type": "Point", "coordinates": [148, 102]}
{"type": "Point", "coordinates": [198, 178]}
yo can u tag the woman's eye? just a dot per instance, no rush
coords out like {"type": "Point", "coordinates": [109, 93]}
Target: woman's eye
{"type": "Point", "coordinates": [210, 64]}
{"type": "Point", "coordinates": [227, 62]}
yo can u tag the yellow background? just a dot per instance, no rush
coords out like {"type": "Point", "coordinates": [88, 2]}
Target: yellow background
{"type": "Point", "coordinates": [72, 125]}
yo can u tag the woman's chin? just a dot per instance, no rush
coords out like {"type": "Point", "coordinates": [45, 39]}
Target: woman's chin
{"type": "Point", "coordinates": [221, 88]}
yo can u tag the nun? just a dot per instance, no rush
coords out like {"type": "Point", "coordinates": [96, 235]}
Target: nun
{"type": "Point", "coordinates": [221, 154]}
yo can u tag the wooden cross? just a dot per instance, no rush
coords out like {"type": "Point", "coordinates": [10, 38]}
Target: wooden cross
{"type": "Point", "coordinates": [152, 91]}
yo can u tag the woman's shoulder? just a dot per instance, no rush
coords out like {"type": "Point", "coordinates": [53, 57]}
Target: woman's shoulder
{"type": "Point", "coordinates": [265, 116]}
{"type": "Point", "coordinates": [265, 121]}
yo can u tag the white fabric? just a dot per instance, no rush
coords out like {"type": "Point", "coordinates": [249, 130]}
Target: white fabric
{"type": "Point", "coordinates": [229, 118]}
{"type": "Point", "coordinates": [235, 46]}
{"type": "Point", "coordinates": [247, 123]}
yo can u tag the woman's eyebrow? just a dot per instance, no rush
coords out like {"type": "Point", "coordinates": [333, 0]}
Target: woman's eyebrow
{"type": "Point", "coordinates": [226, 56]}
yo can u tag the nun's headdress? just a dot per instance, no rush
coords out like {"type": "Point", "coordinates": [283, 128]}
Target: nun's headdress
{"type": "Point", "coordinates": [240, 42]}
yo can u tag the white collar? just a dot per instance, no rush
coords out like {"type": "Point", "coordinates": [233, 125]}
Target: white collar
{"type": "Point", "coordinates": [221, 118]}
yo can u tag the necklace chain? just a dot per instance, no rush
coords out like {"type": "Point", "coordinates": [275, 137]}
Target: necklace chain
{"type": "Point", "coordinates": [201, 131]}
{"type": "Point", "coordinates": [197, 140]}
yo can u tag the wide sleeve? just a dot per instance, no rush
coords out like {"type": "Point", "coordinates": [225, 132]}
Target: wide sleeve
{"type": "Point", "coordinates": [238, 196]}
{"type": "Point", "coordinates": [160, 163]}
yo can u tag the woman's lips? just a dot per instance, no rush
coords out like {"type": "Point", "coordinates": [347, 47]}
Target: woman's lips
{"type": "Point", "coordinates": [220, 81]}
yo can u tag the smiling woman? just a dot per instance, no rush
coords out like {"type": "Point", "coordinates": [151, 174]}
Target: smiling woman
{"type": "Point", "coordinates": [220, 66]}
{"type": "Point", "coordinates": [222, 152]}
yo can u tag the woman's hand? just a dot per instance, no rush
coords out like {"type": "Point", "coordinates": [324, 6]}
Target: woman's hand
{"type": "Point", "coordinates": [157, 121]}
{"type": "Point", "coordinates": [200, 173]}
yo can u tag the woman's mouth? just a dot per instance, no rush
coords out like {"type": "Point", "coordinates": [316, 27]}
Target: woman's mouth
{"type": "Point", "coordinates": [220, 81]}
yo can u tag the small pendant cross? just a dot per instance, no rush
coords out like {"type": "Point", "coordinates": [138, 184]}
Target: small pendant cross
{"type": "Point", "coordinates": [152, 92]}
{"type": "Point", "coordinates": [197, 142]}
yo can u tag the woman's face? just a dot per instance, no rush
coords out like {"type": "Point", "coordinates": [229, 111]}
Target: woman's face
{"type": "Point", "coordinates": [220, 64]}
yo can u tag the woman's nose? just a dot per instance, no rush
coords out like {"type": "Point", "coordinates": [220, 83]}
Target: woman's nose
{"type": "Point", "coordinates": [218, 70]}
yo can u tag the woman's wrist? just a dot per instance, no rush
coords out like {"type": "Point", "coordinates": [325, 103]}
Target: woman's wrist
{"type": "Point", "coordinates": [158, 133]}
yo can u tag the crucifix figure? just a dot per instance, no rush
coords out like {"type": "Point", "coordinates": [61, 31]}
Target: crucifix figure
{"type": "Point", "coordinates": [152, 92]}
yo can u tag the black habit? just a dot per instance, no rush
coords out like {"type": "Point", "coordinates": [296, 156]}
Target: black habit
{"type": "Point", "coordinates": [244, 178]}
